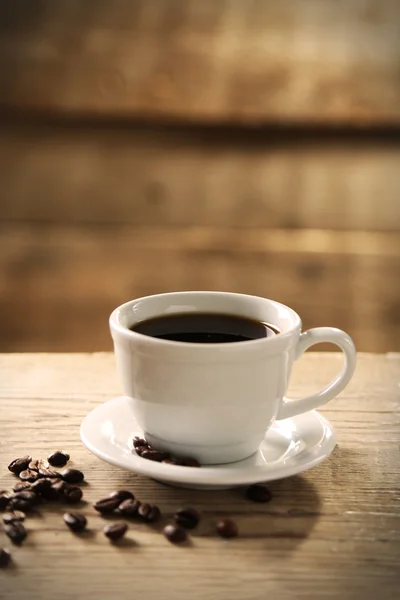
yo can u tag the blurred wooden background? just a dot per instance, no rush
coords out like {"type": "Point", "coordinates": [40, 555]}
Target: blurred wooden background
{"type": "Point", "coordinates": [157, 145]}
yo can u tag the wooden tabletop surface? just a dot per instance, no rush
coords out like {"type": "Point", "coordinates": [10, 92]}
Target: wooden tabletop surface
{"type": "Point", "coordinates": [333, 532]}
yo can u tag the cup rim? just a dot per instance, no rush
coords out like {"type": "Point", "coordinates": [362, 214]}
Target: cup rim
{"type": "Point", "coordinates": [116, 326]}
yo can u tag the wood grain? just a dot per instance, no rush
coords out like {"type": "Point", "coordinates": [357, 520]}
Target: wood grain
{"type": "Point", "coordinates": [176, 176]}
{"type": "Point", "coordinates": [333, 532]}
{"type": "Point", "coordinates": [209, 61]}
{"type": "Point", "coordinates": [59, 284]}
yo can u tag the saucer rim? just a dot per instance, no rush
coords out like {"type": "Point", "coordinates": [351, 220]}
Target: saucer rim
{"type": "Point", "coordinates": [212, 475]}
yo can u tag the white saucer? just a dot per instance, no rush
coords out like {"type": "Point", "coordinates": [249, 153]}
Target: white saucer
{"type": "Point", "coordinates": [289, 447]}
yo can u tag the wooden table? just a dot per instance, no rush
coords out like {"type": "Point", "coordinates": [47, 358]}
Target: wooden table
{"type": "Point", "coordinates": [333, 532]}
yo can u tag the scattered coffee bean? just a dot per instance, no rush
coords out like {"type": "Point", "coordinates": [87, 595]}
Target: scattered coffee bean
{"type": "Point", "coordinates": [5, 558]}
{"type": "Point", "coordinates": [154, 455]}
{"type": "Point", "coordinates": [58, 459]}
{"type": "Point", "coordinates": [12, 517]}
{"type": "Point", "coordinates": [258, 493]}
{"type": "Point", "coordinates": [19, 464]}
{"type": "Point", "coordinates": [59, 485]}
{"type": "Point", "coordinates": [5, 498]}
{"type": "Point", "coordinates": [227, 528]}
{"type": "Point", "coordinates": [21, 485]}
{"type": "Point", "coordinates": [72, 475]}
{"type": "Point", "coordinates": [28, 475]}
{"type": "Point", "coordinates": [41, 485]}
{"type": "Point", "coordinates": [140, 449]}
{"type": "Point", "coordinates": [34, 464]}
{"type": "Point", "coordinates": [122, 495]}
{"type": "Point", "coordinates": [72, 494]}
{"type": "Point", "coordinates": [129, 507]}
{"type": "Point", "coordinates": [187, 517]}
{"type": "Point", "coordinates": [52, 493]}
{"type": "Point", "coordinates": [116, 531]}
{"type": "Point", "coordinates": [175, 534]}
{"type": "Point", "coordinates": [16, 532]}
{"type": "Point", "coordinates": [26, 495]}
{"type": "Point", "coordinates": [189, 462]}
{"type": "Point", "coordinates": [149, 513]}
{"type": "Point", "coordinates": [24, 501]}
{"type": "Point", "coordinates": [75, 521]}
{"type": "Point", "coordinates": [107, 505]}
{"type": "Point", "coordinates": [170, 461]}
{"type": "Point", "coordinates": [139, 442]}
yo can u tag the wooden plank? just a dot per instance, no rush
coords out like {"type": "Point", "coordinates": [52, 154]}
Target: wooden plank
{"type": "Point", "coordinates": [331, 533]}
{"type": "Point", "coordinates": [75, 276]}
{"type": "Point", "coordinates": [173, 176]}
{"type": "Point", "coordinates": [210, 61]}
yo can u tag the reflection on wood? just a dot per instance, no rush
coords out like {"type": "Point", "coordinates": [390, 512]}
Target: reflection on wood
{"type": "Point", "coordinates": [58, 284]}
{"type": "Point", "coordinates": [210, 61]}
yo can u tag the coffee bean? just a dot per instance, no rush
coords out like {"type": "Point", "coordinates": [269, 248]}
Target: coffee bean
{"type": "Point", "coordinates": [28, 475]}
{"type": "Point", "coordinates": [45, 470]}
{"type": "Point", "coordinates": [75, 521]}
{"type": "Point", "coordinates": [19, 464]}
{"type": "Point", "coordinates": [129, 507]}
{"type": "Point", "coordinates": [12, 517]}
{"type": "Point", "coordinates": [41, 485]}
{"type": "Point", "coordinates": [5, 558]}
{"type": "Point", "coordinates": [116, 531]}
{"type": "Point", "coordinates": [189, 462]}
{"type": "Point", "coordinates": [72, 494]}
{"type": "Point", "coordinates": [26, 495]}
{"type": "Point", "coordinates": [72, 475]}
{"type": "Point", "coordinates": [187, 517]}
{"type": "Point", "coordinates": [58, 459]}
{"type": "Point", "coordinates": [21, 485]}
{"type": "Point", "coordinates": [154, 455]}
{"type": "Point", "coordinates": [16, 532]}
{"type": "Point", "coordinates": [227, 528]}
{"type": "Point", "coordinates": [175, 534]}
{"type": "Point", "coordinates": [5, 498]}
{"type": "Point", "coordinates": [107, 505]}
{"type": "Point", "coordinates": [59, 485]}
{"type": "Point", "coordinates": [34, 464]}
{"type": "Point", "coordinates": [170, 461]}
{"type": "Point", "coordinates": [138, 441]}
{"type": "Point", "coordinates": [122, 495]}
{"type": "Point", "coordinates": [55, 491]}
{"type": "Point", "coordinates": [141, 449]}
{"type": "Point", "coordinates": [23, 505]}
{"type": "Point", "coordinates": [258, 493]}
{"type": "Point", "coordinates": [149, 513]}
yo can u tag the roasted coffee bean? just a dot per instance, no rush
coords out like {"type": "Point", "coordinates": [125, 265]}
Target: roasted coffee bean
{"type": "Point", "coordinates": [175, 534]}
{"type": "Point", "coordinates": [19, 464]}
{"type": "Point", "coordinates": [75, 521]}
{"type": "Point", "coordinates": [154, 455]}
{"type": "Point", "coordinates": [122, 495]}
{"type": "Point", "coordinates": [116, 531]}
{"type": "Point", "coordinates": [28, 475]}
{"type": "Point", "coordinates": [149, 513]}
{"type": "Point", "coordinates": [16, 532]}
{"type": "Point", "coordinates": [59, 485]}
{"type": "Point", "coordinates": [72, 494]}
{"type": "Point", "coordinates": [170, 461]}
{"type": "Point", "coordinates": [141, 449]}
{"type": "Point", "coordinates": [21, 485]}
{"type": "Point", "coordinates": [34, 464]}
{"type": "Point", "coordinates": [45, 470]}
{"type": "Point", "coordinates": [23, 505]}
{"type": "Point", "coordinates": [58, 458]}
{"type": "Point", "coordinates": [12, 517]}
{"type": "Point", "coordinates": [5, 558]}
{"type": "Point", "coordinates": [138, 442]}
{"type": "Point", "coordinates": [26, 495]}
{"type": "Point", "coordinates": [227, 528]}
{"type": "Point", "coordinates": [187, 517]}
{"type": "Point", "coordinates": [106, 505]}
{"type": "Point", "coordinates": [41, 485]}
{"type": "Point", "coordinates": [258, 493]}
{"type": "Point", "coordinates": [72, 475]}
{"type": "Point", "coordinates": [129, 507]}
{"type": "Point", "coordinates": [5, 498]}
{"type": "Point", "coordinates": [189, 462]}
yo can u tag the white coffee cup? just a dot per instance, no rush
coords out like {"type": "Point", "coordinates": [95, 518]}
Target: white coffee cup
{"type": "Point", "coordinates": [214, 402]}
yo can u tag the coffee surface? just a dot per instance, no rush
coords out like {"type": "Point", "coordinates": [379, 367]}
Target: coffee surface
{"type": "Point", "coordinates": [204, 328]}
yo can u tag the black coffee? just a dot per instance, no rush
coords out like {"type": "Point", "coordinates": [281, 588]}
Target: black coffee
{"type": "Point", "coordinates": [204, 328]}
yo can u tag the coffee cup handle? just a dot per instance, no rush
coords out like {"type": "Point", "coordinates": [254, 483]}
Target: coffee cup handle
{"type": "Point", "coordinates": [290, 408]}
